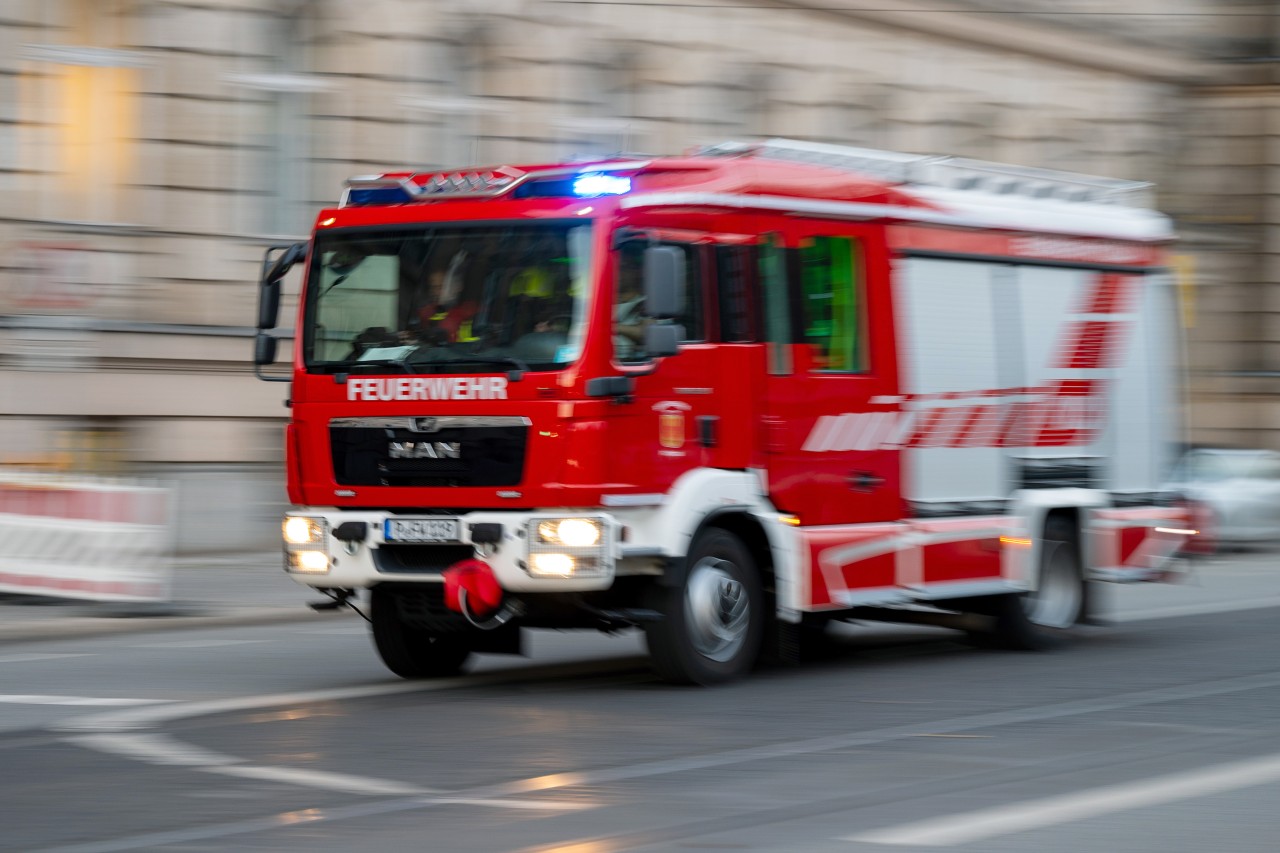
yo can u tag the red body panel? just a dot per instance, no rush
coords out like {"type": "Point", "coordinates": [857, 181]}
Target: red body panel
{"type": "Point", "coordinates": [841, 558]}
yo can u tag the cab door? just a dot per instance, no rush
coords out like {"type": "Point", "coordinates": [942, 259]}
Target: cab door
{"type": "Point", "coordinates": [832, 410]}
{"type": "Point", "coordinates": [662, 430]}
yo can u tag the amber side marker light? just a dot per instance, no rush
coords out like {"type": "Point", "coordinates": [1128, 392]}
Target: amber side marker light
{"type": "Point", "coordinates": [1015, 542]}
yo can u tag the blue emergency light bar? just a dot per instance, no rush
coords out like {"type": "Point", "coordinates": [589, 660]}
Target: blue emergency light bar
{"type": "Point", "coordinates": [361, 196]}
{"type": "Point", "coordinates": [490, 183]}
{"type": "Point", "coordinates": [596, 184]}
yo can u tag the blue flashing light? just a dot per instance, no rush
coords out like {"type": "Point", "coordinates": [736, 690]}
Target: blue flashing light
{"type": "Point", "coordinates": [593, 184]}
{"type": "Point", "coordinates": [360, 196]}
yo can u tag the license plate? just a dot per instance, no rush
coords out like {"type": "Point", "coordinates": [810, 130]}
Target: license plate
{"type": "Point", "coordinates": [421, 530]}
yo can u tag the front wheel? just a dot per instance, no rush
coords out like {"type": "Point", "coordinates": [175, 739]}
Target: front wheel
{"type": "Point", "coordinates": [412, 652]}
{"type": "Point", "coordinates": [714, 619]}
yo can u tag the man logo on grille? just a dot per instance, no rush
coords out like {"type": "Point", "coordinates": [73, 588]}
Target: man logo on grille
{"type": "Point", "coordinates": [424, 450]}
{"type": "Point", "coordinates": [424, 424]}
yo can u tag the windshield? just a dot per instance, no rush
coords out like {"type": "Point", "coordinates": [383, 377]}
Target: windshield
{"type": "Point", "coordinates": [451, 299]}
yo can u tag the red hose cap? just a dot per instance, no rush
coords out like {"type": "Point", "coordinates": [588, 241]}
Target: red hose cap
{"type": "Point", "coordinates": [484, 594]}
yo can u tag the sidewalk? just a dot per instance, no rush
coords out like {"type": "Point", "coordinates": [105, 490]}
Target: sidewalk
{"type": "Point", "coordinates": [208, 592]}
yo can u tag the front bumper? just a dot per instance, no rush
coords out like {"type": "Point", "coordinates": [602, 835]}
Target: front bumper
{"type": "Point", "coordinates": [374, 559]}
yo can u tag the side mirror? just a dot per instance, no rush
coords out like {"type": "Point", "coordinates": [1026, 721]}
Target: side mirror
{"type": "Point", "coordinates": [273, 272]}
{"type": "Point", "coordinates": [264, 353]}
{"type": "Point", "coordinates": [264, 349]}
{"type": "Point", "coordinates": [663, 282]}
{"type": "Point", "coordinates": [662, 341]}
{"type": "Point", "coordinates": [269, 305]}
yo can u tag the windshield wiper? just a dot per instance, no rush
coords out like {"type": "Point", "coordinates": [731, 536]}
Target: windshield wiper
{"type": "Point", "coordinates": [514, 375]}
{"type": "Point", "coordinates": [378, 362]}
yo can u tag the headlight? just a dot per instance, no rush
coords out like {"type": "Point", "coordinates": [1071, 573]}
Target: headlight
{"type": "Point", "coordinates": [571, 532]}
{"type": "Point", "coordinates": [312, 562]}
{"type": "Point", "coordinates": [306, 546]}
{"type": "Point", "coordinates": [552, 565]}
{"type": "Point", "coordinates": [568, 548]}
{"type": "Point", "coordinates": [303, 531]}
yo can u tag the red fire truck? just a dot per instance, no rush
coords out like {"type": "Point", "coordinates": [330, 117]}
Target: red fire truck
{"type": "Point", "coordinates": [727, 398]}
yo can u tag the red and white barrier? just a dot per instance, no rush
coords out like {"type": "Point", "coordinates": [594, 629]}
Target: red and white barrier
{"type": "Point", "coordinates": [83, 537]}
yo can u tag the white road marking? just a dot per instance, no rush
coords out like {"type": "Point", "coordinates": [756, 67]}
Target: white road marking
{"type": "Point", "coordinates": [1196, 610]}
{"type": "Point", "coordinates": [150, 717]}
{"type": "Point", "coordinates": [344, 630]}
{"type": "Point", "coordinates": [115, 733]}
{"type": "Point", "coordinates": [306, 778]}
{"type": "Point", "coordinates": [139, 718]}
{"type": "Point", "coordinates": [47, 656]}
{"type": "Point", "coordinates": [195, 644]}
{"type": "Point", "coordinates": [497, 803]}
{"type": "Point", "coordinates": [953, 830]}
{"type": "Point", "coordinates": [161, 749]}
{"type": "Point", "coordinates": [38, 699]}
{"type": "Point", "coordinates": [154, 749]}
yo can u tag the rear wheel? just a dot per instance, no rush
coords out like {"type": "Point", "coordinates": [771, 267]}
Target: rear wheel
{"type": "Point", "coordinates": [412, 652]}
{"type": "Point", "coordinates": [714, 620]}
{"type": "Point", "coordinates": [1042, 618]}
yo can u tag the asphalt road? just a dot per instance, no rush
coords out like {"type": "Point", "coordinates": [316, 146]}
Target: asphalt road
{"type": "Point", "coordinates": [1155, 733]}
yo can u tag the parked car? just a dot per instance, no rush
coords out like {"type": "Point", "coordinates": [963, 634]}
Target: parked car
{"type": "Point", "coordinates": [1237, 493]}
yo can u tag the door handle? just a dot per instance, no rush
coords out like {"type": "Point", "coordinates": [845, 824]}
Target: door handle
{"type": "Point", "coordinates": [865, 481]}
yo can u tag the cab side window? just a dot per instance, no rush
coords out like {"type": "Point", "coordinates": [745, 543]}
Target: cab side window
{"type": "Point", "coordinates": [831, 303]}
{"type": "Point", "coordinates": [776, 296]}
{"type": "Point", "coordinates": [629, 316]}
{"type": "Point", "coordinates": [734, 267]}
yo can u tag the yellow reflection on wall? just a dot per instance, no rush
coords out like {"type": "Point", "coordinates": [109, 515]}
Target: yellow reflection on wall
{"type": "Point", "coordinates": [98, 126]}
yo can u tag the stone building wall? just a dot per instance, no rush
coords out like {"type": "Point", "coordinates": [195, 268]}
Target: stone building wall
{"type": "Point", "coordinates": [151, 149]}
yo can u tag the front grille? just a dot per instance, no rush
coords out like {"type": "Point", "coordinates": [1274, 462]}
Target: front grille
{"type": "Point", "coordinates": [486, 455]}
{"type": "Point", "coordinates": [430, 559]}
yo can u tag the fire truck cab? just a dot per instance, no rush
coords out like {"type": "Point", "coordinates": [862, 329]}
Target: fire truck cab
{"type": "Point", "coordinates": [726, 398]}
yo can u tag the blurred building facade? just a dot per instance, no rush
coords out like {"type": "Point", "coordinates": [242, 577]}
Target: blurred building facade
{"type": "Point", "coordinates": [151, 149]}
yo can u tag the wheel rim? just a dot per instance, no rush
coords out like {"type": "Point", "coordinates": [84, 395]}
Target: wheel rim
{"type": "Point", "coordinates": [717, 611]}
{"type": "Point", "coordinates": [1056, 604]}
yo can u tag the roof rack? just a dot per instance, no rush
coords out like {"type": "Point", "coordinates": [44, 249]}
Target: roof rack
{"type": "Point", "coordinates": [951, 173]}
{"type": "Point", "coordinates": [400, 188]}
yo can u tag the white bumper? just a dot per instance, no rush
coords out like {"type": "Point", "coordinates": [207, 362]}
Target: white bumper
{"type": "Point", "coordinates": [358, 565]}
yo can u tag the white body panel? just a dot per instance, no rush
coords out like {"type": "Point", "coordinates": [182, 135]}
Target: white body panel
{"type": "Point", "coordinates": [1147, 424]}
{"type": "Point", "coordinates": [947, 334]}
{"type": "Point", "coordinates": [966, 328]}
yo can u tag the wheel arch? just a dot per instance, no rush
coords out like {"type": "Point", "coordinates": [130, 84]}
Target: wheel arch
{"type": "Point", "coordinates": [1038, 508]}
{"type": "Point", "coordinates": [742, 523]}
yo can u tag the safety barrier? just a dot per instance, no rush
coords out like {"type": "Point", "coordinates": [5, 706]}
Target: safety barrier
{"type": "Point", "coordinates": [84, 537]}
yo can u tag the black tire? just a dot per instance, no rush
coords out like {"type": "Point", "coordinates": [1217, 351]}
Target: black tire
{"type": "Point", "coordinates": [410, 652]}
{"type": "Point", "coordinates": [714, 618]}
{"type": "Point", "coordinates": [1043, 618]}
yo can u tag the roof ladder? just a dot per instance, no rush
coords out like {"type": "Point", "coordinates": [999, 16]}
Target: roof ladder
{"type": "Point", "coordinates": [945, 172]}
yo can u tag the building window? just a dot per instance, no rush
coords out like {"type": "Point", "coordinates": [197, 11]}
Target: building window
{"type": "Point", "coordinates": [279, 177]}
{"type": "Point", "coordinates": [86, 86]}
